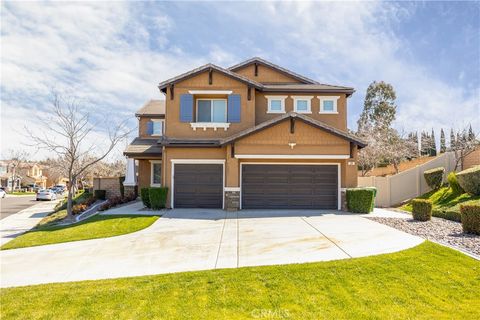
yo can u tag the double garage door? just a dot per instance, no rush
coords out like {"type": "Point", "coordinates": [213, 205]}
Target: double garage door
{"type": "Point", "coordinates": [264, 186]}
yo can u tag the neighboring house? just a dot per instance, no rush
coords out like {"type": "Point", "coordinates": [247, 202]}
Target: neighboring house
{"type": "Point", "coordinates": [472, 159]}
{"type": "Point", "coordinates": [251, 136]}
{"type": "Point", "coordinates": [32, 174]}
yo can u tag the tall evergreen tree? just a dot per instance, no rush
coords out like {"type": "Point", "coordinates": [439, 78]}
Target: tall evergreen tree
{"type": "Point", "coordinates": [379, 107]}
{"type": "Point", "coordinates": [471, 134]}
{"type": "Point", "coordinates": [443, 146]}
{"type": "Point", "coordinates": [452, 140]}
{"type": "Point", "coordinates": [433, 145]}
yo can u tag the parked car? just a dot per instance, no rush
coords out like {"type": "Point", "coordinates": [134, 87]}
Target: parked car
{"type": "Point", "coordinates": [46, 194]}
{"type": "Point", "coordinates": [2, 193]}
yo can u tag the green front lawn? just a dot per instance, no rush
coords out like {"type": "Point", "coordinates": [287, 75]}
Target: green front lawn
{"type": "Point", "coordinates": [425, 282]}
{"type": "Point", "coordinates": [446, 203]}
{"type": "Point", "coordinates": [98, 226]}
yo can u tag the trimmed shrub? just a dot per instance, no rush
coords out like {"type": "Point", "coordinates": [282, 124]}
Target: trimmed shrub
{"type": "Point", "coordinates": [469, 180]}
{"type": "Point", "coordinates": [421, 209]}
{"type": "Point", "coordinates": [158, 197]}
{"type": "Point", "coordinates": [145, 195]}
{"type": "Point", "coordinates": [453, 183]}
{"type": "Point", "coordinates": [100, 194]}
{"type": "Point", "coordinates": [470, 218]}
{"type": "Point", "coordinates": [360, 200]}
{"type": "Point", "coordinates": [434, 177]}
{"type": "Point", "coordinates": [447, 214]}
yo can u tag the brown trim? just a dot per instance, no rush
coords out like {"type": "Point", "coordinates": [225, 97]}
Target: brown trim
{"type": "Point", "coordinates": [210, 77]}
{"type": "Point", "coordinates": [256, 69]}
{"type": "Point", "coordinates": [352, 147]}
{"type": "Point", "coordinates": [139, 154]}
{"type": "Point", "coordinates": [249, 93]}
{"type": "Point", "coordinates": [171, 92]}
{"type": "Point", "coordinates": [292, 125]}
{"type": "Point", "coordinates": [259, 61]}
{"type": "Point", "coordinates": [305, 119]}
{"type": "Point", "coordinates": [204, 68]}
{"type": "Point", "coordinates": [232, 150]}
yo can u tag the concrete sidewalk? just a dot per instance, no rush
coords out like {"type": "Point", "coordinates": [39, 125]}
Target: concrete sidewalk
{"type": "Point", "coordinates": [188, 240]}
{"type": "Point", "coordinates": [18, 223]}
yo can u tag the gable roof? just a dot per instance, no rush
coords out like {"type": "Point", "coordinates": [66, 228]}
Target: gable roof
{"type": "Point", "coordinates": [209, 66]}
{"type": "Point", "coordinates": [293, 115]}
{"type": "Point", "coordinates": [152, 108]}
{"type": "Point", "coordinates": [281, 87]}
{"type": "Point", "coordinates": [264, 62]}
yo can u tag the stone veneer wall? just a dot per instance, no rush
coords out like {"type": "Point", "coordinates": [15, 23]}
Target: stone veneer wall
{"type": "Point", "coordinates": [111, 185]}
{"type": "Point", "coordinates": [232, 200]}
{"type": "Point", "coordinates": [343, 200]}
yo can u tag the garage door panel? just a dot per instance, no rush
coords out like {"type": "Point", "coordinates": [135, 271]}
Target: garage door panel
{"type": "Point", "coordinates": [289, 186]}
{"type": "Point", "coordinates": [198, 186]}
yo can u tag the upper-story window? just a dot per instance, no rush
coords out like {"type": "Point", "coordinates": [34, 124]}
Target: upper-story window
{"type": "Point", "coordinates": [212, 110]}
{"type": "Point", "coordinates": [328, 104]}
{"type": "Point", "coordinates": [302, 104]}
{"type": "Point", "coordinates": [157, 127]}
{"type": "Point", "coordinates": [276, 104]}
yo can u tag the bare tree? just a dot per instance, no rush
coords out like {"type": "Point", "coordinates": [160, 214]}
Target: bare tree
{"type": "Point", "coordinates": [465, 143]}
{"type": "Point", "coordinates": [15, 159]}
{"type": "Point", "coordinates": [370, 156]}
{"type": "Point", "coordinates": [396, 148]}
{"type": "Point", "coordinates": [69, 133]}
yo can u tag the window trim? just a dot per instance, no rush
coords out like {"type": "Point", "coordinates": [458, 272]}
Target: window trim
{"type": "Point", "coordinates": [309, 103]}
{"type": "Point", "coordinates": [328, 98]}
{"type": "Point", "coordinates": [282, 102]}
{"type": "Point", "coordinates": [152, 162]}
{"type": "Point", "coordinates": [163, 127]}
{"type": "Point", "coordinates": [211, 109]}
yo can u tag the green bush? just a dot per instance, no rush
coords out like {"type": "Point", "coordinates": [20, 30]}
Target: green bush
{"type": "Point", "coordinates": [434, 177]}
{"type": "Point", "coordinates": [470, 218]}
{"type": "Point", "coordinates": [469, 180]}
{"type": "Point", "coordinates": [145, 195]}
{"type": "Point", "coordinates": [453, 183]}
{"type": "Point", "coordinates": [158, 197]}
{"type": "Point", "coordinates": [360, 200]}
{"type": "Point", "coordinates": [421, 209]}
{"type": "Point", "coordinates": [100, 194]}
{"type": "Point", "coordinates": [447, 214]}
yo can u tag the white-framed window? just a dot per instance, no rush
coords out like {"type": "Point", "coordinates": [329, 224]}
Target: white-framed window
{"type": "Point", "coordinates": [158, 127]}
{"type": "Point", "coordinates": [276, 104]}
{"type": "Point", "coordinates": [328, 104]}
{"type": "Point", "coordinates": [212, 110]}
{"type": "Point", "coordinates": [155, 173]}
{"type": "Point", "coordinates": [302, 104]}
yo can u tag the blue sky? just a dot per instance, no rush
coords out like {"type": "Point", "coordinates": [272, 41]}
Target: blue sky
{"type": "Point", "coordinates": [113, 54]}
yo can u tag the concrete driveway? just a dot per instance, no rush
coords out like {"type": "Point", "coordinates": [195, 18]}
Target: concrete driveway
{"type": "Point", "coordinates": [187, 240]}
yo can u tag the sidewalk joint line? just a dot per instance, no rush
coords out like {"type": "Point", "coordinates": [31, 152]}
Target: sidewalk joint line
{"type": "Point", "coordinates": [303, 218]}
{"type": "Point", "coordinates": [221, 239]}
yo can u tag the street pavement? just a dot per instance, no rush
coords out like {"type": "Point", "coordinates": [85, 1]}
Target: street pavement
{"type": "Point", "coordinates": [13, 204]}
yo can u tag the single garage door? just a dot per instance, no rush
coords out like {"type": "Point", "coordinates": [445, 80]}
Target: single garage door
{"type": "Point", "coordinates": [289, 186]}
{"type": "Point", "coordinates": [198, 186]}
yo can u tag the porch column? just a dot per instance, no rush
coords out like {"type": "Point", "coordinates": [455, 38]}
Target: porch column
{"type": "Point", "coordinates": [130, 175]}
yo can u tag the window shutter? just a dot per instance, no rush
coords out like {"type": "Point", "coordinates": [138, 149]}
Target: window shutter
{"type": "Point", "coordinates": [234, 108]}
{"type": "Point", "coordinates": [149, 128]}
{"type": "Point", "coordinates": [186, 108]}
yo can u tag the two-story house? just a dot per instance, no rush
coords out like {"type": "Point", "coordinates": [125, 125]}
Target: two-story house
{"type": "Point", "coordinates": [252, 136]}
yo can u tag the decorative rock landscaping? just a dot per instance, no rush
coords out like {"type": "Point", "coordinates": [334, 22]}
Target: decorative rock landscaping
{"type": "Point", "coordinates": [440, 230]}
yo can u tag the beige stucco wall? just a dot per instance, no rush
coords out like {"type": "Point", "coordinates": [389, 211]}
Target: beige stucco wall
{"type": "Point", "coordinates": [337, 120]}
{"type": "Point", "coordinates": [142, 126]}
{"type": "Point", "coordinates": [265, 75]}
{"type": "Point", "coordinates": [177, 129]}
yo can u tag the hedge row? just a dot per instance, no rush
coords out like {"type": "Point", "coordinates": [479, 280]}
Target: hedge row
{"type": "Point", "coordinates": [421, 209]}
{"type": "Point", "coordinates": [470, 218]}
{"type": "Point", "coordinates": [469, 180]}
{"type": "Point", "coordinates": [453, 183]}
{"type": "Point", "coordinates": [361, 200]}
{"type": "Point", "coordinates": [154, 198]}
{"type": "Point", "coordinates": [434, 177]}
